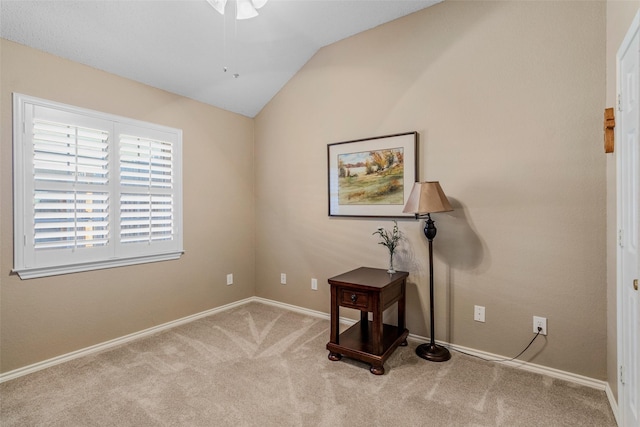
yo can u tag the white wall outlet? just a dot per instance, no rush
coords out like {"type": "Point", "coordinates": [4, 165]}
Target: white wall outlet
{"type": "Point", "coordinates": [314, 284]}
{"type": "Point", "coordinates": [540, 322]}
{"type": "Point", "coordinates": [478, 313]}
{"type": "Point", "coordinates": [283, 278]}
{"type": "Point", "coordinates": [229, 279]}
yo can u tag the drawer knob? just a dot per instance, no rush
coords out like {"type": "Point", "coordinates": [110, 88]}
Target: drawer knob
{"type": "Point", "coordinates": [354, 297]}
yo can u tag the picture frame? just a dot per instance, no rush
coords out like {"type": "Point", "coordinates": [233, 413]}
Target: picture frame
{"type": "Point", "coordinates": [372, 177]}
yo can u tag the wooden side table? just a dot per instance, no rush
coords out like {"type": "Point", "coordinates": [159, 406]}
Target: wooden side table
{"type": "Point", "coordinates": [368, 290]}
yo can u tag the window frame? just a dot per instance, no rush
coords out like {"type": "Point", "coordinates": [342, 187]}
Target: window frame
{"type": "Point", "coordinates": [117, 254]}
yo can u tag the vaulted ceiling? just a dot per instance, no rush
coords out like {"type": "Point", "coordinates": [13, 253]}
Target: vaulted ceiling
{"type": "Point", "coordinates": [184, 46]}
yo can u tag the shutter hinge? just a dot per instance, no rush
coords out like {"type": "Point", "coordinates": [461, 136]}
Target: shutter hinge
{"type": "Point", "coordinates": [621, 374]}
{"type": "Point", "coordinates": [620, 238]}
{"type": "Point", "coordinates": [619, 102]}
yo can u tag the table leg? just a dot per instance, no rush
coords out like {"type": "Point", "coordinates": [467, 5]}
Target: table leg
{"type": "Point", "coordinates": [334, 356]}
{"type": "Point", "coordinates": [335, 317]}
{"type": "Point", "coordinates": [364, 324]}
{"type": "Point", "coordinates": [377, 329]}
{"type": "Point", "coordinates": [402, 310]}
{"type": "Point", "coordinates": [377, 369]}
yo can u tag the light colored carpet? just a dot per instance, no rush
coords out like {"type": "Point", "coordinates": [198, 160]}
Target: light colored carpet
{"type": "Point", "coordinates": [258, 365]}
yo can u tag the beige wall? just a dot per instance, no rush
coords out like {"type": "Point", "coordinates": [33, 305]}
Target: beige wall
{"type": "Point", "coordinates": [43, 318]}
{"type": "Point", "coordinates": [619, 17]}
{"type": "Point", "coordinates": [508, 100]}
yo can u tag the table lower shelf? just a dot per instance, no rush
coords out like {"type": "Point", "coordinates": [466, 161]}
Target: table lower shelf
{"type": "Point", "coordinates": [357, 343]}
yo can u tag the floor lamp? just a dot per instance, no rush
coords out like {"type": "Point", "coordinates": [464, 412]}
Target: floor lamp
{"type": "Point", "coordinates": [427, 198]}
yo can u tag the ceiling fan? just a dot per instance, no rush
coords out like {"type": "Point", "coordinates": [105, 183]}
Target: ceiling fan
{"type": "Point", "coordinates": [245, 9]}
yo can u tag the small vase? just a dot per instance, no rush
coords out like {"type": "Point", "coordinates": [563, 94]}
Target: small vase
{"type": "Point", "coordinates": [391, 270]}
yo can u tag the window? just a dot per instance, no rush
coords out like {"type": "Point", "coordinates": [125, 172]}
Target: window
{"type": "Point", "coordinates": [92, 190]}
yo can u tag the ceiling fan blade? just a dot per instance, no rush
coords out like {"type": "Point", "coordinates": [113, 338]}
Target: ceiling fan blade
{"type": "Point", "coordinates": [245, 9]}
{"type": "Point", "coordinates": [258, 3]}
{"type": "Point", "coordinates": [218, 5]}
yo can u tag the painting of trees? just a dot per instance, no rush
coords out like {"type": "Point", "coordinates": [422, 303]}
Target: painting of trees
{"type": "Point", "coordinates": [372, 177]}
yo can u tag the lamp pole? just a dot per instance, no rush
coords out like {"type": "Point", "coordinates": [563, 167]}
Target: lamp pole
{"type": "Point", "coordinates": [431, 351]}
{"type": "Point", "coordinates": [427, 198]}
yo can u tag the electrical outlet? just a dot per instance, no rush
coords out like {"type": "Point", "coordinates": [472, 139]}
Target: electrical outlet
{"type": "Point", "coordinates": [314, 284]}
{"type": "Point", "coordinates": [229, 279]}
{"type": "Point", "coordinates": [478, 313]}
{"type": "Point", "coordinates": [540, 322]}
{"type": "Point", "coordinates": [283, 278]}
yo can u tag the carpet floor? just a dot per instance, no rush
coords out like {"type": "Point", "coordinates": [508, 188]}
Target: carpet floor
{"type": "Point", "coordinates": [259, 365]}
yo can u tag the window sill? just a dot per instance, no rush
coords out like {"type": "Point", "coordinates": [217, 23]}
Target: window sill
{"type": "Point", "coordinates": [34, 273]}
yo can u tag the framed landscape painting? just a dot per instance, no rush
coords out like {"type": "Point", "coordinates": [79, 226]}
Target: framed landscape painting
{"type": "Point", "coordinates": [372, 177]}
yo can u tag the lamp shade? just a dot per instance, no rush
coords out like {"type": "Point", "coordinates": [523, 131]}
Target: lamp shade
{"type": "Point", "coordinates": [427, 197]}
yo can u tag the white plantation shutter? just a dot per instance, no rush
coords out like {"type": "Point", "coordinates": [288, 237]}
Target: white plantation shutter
{"type": "Point", "coordinates": [146, 162]}
{"type": "Point", "coordinates": [68, 153]}
{"type": "Point", "coordinates": [149, 205]}
{"type": "Point", "coordinates": [93, 190]}
{"type": "Point", "coordinates": [147, 166]}
{"type": "Point", "coordinates": [145, 218]}
{"type": "Point", "coordinates": [65, 156]}
{"type": "Point", "coordinates": [70, 220]}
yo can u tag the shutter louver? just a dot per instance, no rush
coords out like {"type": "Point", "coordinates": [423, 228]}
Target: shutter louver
{"type": "Point", "coordinates": [161, 218]}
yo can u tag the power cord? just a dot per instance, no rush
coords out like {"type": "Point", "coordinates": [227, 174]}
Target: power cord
{"type": "Point", "coordinates": [502, 360]}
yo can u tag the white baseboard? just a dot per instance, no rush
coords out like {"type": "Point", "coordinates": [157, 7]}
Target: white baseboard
{"type": "Point", "coordinates": [526, 366]}
{"type": "Point", "coordinates": [302, 310]}
{"type": "Point", "coordinates": [114, 342]}
{"type": "Point", "coordinates": [613, 403]}
{"type": "Point", "coordinates": [531, 367]}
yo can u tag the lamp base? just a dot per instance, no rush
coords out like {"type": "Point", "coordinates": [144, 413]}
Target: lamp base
{"type": "Point", "coordinates": [433, 352]}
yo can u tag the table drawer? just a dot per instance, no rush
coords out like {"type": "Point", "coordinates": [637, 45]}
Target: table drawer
{"type": "Point", "coordinates": [354, 299]}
